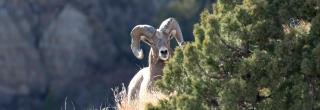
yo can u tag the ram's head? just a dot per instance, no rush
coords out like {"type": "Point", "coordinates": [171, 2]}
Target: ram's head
{"type": "Point", "coordinates": [157, 39]}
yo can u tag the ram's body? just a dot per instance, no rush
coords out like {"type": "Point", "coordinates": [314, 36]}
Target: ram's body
{"type": "Point", "coordinates": [160, 51]}
{"type": "Point", "coordinates": [135, 83]}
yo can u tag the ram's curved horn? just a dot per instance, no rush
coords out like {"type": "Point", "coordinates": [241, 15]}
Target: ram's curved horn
{"type": "Point", "coordinates": [171, 27]}
{"type": "Point", "coordinates": [138, 33]}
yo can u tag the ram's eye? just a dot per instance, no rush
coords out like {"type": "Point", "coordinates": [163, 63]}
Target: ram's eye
{"type": "Point", "coordinates": [170, 37]}
{"type": "Point", "coordinates": [169, 40]}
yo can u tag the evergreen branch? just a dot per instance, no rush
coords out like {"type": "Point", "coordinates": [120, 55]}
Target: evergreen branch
{"type": "Point", "coordinates": [225, 43]}
{"type": "Point", "coordinates": [239, 51]}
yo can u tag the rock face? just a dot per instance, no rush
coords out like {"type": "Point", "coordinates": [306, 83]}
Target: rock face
{"type": "Point", "coordinates": [66, 46]}
{"type": "Point", "coordinates": [21, 73]}
{"type": "Point", "coordinates": [53, 49]}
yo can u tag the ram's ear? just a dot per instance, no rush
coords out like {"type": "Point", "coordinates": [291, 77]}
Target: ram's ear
{"type": "Point", "coordinates": [171, 27]}
{"type": "Point", "coordinates": [147, 41]}
{"type": "Point", "coordinates": [172, 34]}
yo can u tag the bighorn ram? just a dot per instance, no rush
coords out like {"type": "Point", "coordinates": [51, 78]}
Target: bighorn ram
{"type": "Point", "coordinates": [160, 51]}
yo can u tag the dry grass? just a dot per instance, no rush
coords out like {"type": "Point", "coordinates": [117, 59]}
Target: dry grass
{"type": "Point", "coordinates": [302, 25]}
{"type": "Point", "coordinates": [122, 103]}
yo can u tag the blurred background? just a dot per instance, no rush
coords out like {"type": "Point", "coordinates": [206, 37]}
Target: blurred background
{"type": "Point", "coordinates": [54, 52]}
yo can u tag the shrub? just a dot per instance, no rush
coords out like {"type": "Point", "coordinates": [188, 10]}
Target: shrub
{"type": "Point", "coordinates": [248, 54]}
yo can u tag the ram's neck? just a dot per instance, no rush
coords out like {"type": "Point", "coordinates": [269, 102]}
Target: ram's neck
{"type": "Point", "coordinates": [155, 65]}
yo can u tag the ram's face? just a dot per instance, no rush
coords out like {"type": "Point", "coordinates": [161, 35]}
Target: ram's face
{"type": "Point", "coordinates": [158, 39]}
{"type": "Point", "coordinates": [162, 45]}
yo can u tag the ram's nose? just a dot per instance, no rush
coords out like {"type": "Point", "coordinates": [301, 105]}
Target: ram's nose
{"type": "Point", "coordinates": [164, 52]}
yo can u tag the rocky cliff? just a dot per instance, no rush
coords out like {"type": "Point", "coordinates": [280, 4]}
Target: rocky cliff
{"type": "Point", "coordinates": [53, 50]}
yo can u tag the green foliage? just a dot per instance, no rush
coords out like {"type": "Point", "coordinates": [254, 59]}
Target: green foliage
{"type": "Point", "coordinates": [248, 54]}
